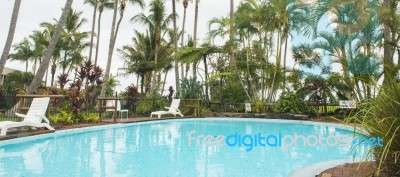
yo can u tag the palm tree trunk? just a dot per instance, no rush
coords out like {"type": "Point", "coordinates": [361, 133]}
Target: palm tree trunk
{"type": "Point", "coordinates": [284, 62]}
{"type": "Point", "coordinates": [110, 51]}
{"type": "Point", "coordinates": [165, 79]}
{"type": "Point", "coordinates": [177, 86]}
{"type": "Point", "coordinates": [142, 84]}
{"type": "Point", "coordinates": [231, 34]}
{"type": "Point", "coordinates": [45, 80]}
{"type": "Point", "coordinates": [153, 88]}
{"type": "Point", "coordinates": [26, 66]}
{"type": "Point", "coordinates": [50, 49]}
{"type": "Point", "coordinates": [206, 79]}
{"type": "Point", "coordinates": [10, 36]}
{"type": "Point", "coordinates": [93, 28]}
{"type": "Point", "coordinates": [196, 16]}
{"type": "Point", "coordinates": [98, 38]}
{"type": "Point", "coordinates": [277, 65]}
{"type": "Point", "coordinates": [53, 73]}
{"type": "Point", "coordinates": [388, 65]}
{"type": "Point", "coordinates": [183, 36]}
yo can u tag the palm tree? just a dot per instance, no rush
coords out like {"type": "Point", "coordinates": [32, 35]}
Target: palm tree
{"type": "Point", "coordinates": [231, 32]}
{"type": "Point", "coordinates": [93, 3]}
{"type": "Point", "coordinates": [110, 50]}
{"type": "Point", "coordinates": [48, 31]}
{"type": "Point", "coordinates": [193, 55]}
{"type": "Point", "coordinates": [137, 57]}
{"type": "Point", "coordinates": [38, 41]}
{"type": "Point", "coordinates": [23, 52]}
{"type": "Point", "coordinates": [103, 4]}
{"type": "Point", "coordinates": [48, 54]}
{"type": "Point", "coordinates": [10, 36]}
{"type": "Point", "coordinates": [185, 4]}
{"type": "Point", "coordinates": [157, 21]}
{"type": "Point", "coordinates": [175, 40]}
{"type": "Point", "coordinates": [221, 30]}
{"type": "Point", "coordinates": [196, 17]}
{"type": "Point", "coordinates": [113, 37]}
{"type": "Point", "coordinates": [76, 46]}
{"type": "Point", "coordinates": [390, 8]}
{"type": "Point", "coordinates": [19, 79]}
{"type": "Point", "coordinates": [30, 49]}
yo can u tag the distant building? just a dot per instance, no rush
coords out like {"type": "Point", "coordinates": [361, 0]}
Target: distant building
{"type": "Point", "coordinates": [6, 71]}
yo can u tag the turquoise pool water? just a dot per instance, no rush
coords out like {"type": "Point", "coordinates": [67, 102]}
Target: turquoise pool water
{"type": "Point", "coordinates": [160, 149]}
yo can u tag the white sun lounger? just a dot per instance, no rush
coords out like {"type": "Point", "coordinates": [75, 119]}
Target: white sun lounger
{"type": "Point", "coordinates": [34, 117]}
{"type": "Point", "coordinates": [173, 109]}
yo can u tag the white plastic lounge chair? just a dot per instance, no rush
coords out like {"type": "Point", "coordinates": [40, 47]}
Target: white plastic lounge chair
{"type": "Point", "coordinates": [34, 117]}
{"type": "Point", "coordinates": [173, 109]}
{"type": "Point", "coordinates": [247, 107]}
{"type": "Point", "coordinates": [111, 103]}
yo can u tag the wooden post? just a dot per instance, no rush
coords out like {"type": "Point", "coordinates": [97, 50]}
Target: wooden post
{"type": "Point", "coordinates": [115, 111]}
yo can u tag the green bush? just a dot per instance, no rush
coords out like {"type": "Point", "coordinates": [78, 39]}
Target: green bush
{"type": "Point", "coordinates": [91, 117]}
{"type": "Point", "coordinates": [290, 102]}
{"type": "Point", "coordinates": [144, 106]}
{"type": "Point", "coordinates": [148, 104]}
{"type": "Point", "coordinates": [62, 118]}
{"type": "Point", "coordinates": [259, 106]}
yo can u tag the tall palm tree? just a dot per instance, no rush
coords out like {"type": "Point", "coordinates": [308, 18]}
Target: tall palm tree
{"type": "Point", "coordinates": [103, 4]}
{"type": "Point", "coordinates": [389, 70]}
{"type": "Point", "coordinates": [113, 37]}
{"type": "Point", "coordinates": [231, 32]}
{"type": "Point", "coordinates": [175, 40]}
{"type": "Point", "coordinates": [48, 54]}
{"type": "Point", "coordinates": [157, 21]}
{"type": "Point", "coordinates": [10, 36]}
{"type": "Point", "coordinates": [196, 17]}
{"type": "Point", "coordinates": [72, 24]}
{"type": "Point", "coordinates": [137, 57]}
{"type": "Point", "coordinates": [23, 52]}
{"type": "Point", "coordinates": [221, 28]}
{"type": "Point", "coordinates": [48, 31]}
{"type": "Point", "coordinates": [93, 3]}
{"type": "Point", "coordinates": [185, 4]}
{"type": "Point", "coordinates": [110, 50]}
{"type": "Point", "coordinates": [38, 40]}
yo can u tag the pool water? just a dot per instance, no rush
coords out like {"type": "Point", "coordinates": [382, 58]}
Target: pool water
{"type": "Point", "coordinates": [160, 149]}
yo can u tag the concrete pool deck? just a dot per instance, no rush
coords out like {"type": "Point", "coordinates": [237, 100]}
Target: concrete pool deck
{"type": "Point", "coordinates": [350, 169]}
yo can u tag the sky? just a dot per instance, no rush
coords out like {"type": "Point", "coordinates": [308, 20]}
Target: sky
{"type": "Point", "coordinates": [32, 13]}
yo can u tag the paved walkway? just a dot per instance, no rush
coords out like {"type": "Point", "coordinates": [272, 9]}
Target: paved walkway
{"type": "Point", "coordinates": [350, 170]}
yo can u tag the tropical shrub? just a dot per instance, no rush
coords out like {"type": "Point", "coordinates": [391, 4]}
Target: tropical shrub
{"type": "Point", "coordinates": [191, 89]}
{"type": "Point", "coordinates": [80, 95]}
{"type": "Point", "coordinates": [146, 104]}
{"type": "Point", "coordinates": [381, 118]}
{"type": "Point", "coordinates": [290, 102]}
{"type": "Point", "coordinates": [91, 117]}
{"type": "Point", "coordinates": [132, 96]}
{"type": "Point", "coordinates": [63, 117]}
{"type": "Point", "coordinates": [258, 107]}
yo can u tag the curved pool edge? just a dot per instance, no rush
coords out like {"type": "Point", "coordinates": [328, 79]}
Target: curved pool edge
{"type": "Point", "coordinates": [317, 168]}
{"type": "Point", "coordinates": [64, 132]}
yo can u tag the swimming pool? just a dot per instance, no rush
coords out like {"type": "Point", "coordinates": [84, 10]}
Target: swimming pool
{"type": "Point", "coordinates": [161, 148]}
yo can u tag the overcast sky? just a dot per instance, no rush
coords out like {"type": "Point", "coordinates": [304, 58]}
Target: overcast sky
{"type": "Point", "coordinates": [33, 12]}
